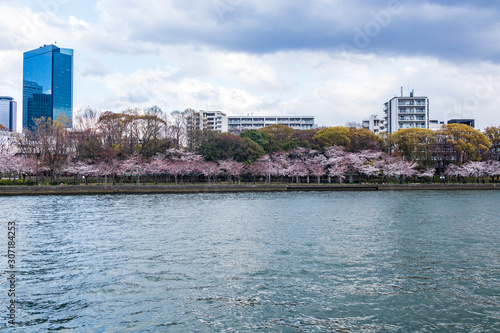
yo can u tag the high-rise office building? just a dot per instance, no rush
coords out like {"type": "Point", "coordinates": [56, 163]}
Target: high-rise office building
{"type": "Point", "coordinates": [47, 84]}
{"type": "Point", "coordinates": [8, 113]}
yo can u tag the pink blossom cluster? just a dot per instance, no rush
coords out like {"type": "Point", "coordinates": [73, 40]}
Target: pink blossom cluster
{"type": "Point", "coordinates": [302, 163]}
{"type": "Point", "coordinates": [474, 169]}
{"type": "Point", "coordinates": [11, 164]}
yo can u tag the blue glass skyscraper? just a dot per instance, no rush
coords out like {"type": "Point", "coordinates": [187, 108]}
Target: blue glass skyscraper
{"type": "Point", "coordinates": [8, 113]}
{"type": "Point", "coordinates": [47, 84]}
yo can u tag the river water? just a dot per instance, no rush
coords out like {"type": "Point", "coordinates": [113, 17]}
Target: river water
{"type": "Point", "coordinates": [426, 261]}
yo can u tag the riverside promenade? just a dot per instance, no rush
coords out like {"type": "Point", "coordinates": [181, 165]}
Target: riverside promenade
{"type": "Point", "coordinates": [216, 188]}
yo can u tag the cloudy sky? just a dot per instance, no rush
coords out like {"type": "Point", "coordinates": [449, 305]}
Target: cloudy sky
{"type": "Point", "coordinates": [338, 60]}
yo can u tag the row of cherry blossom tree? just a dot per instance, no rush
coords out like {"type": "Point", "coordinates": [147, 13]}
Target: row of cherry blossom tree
{"type": "Point", "coordinates": [299, 165]}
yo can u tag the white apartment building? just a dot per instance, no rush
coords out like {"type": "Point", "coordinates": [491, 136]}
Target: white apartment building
{"type": "Point", "coordinates": [195, 120]}
{"type": "Point", "coordinates": [238, 124]}
{"type": "Point", "coordinates": [406, 112]}
{"type": "Point", "coordinates": [435, 124]}
{"type": "Point", "coordinates": [215, 121]}
{"type": "Point", "coordinates": [374, 124]}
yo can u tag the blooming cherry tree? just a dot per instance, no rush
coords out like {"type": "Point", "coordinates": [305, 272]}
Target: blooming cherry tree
{"type": "Point", "coordinates": [316, 166]}
{"type": "Point", "coordinates": [297, 169]}
{"type": "Point", "coordinates": [209, 169]}
{"type": "Point", "coordinates": [493, 169]}
{"type": "Point", "coordinates": [232, 168]}
{"type": "Point", "coordinates": [134, 165]}
{"type": "Point", "coordinates": [428, 173]}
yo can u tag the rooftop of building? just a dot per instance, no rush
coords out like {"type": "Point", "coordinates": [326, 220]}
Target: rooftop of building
{"type": "Point", "coordinates": [268, 116]}
{"type": "Point", "coordinates": [47, 49]}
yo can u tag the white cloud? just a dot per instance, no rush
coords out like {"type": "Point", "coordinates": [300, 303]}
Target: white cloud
{"type": "Point", "coordinates": [259, 57]}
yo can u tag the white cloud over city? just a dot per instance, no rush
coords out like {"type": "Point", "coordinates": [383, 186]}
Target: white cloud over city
{"type": "Point", "coordinates": [336, 60]}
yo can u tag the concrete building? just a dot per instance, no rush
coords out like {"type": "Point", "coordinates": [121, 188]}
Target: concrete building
{"type": "Point", "coordinates": [218, 121]}
{"type": "Point", "coordinates": [435, 124]}
{"type": "Point", "coordinates": [374, 124]}
{"type": "Point", "coordinates": [195, 120]}
{"type": "Point", "coordinates": [215, 121]}
{"type": "Point", "coordinates": [8, 113]}
{"type": "Point", "coordinates": [406, 112]}
{"type": "Point", "coordinates": [236, 125]}
{"type": "Point", "coordinates": [205, 120]}
{"type": "Point", "coordinates": [469, 122]}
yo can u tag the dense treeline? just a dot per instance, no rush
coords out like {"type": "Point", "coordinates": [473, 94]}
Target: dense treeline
{"type": "Point", "coordinates": [151, 145]}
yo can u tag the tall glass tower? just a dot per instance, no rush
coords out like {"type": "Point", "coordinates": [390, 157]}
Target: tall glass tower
{"type": "Point", "coordinates": [8, 113]}
{"type": "Point", "coordinates": [47, 84]}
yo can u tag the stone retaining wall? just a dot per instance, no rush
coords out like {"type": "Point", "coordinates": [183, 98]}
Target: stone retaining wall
{"type": "Point", "coordinates": [151, 189]}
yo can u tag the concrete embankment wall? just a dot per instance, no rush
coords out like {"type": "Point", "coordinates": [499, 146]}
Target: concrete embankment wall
{"type": "Point", "coordinates": [393, 187]}
{"type": "Point", "coordinates": [152, 189]}
{"type": "Point", "coordinates": [437, 187]}
{"type": "Point", "coordinates": [132, 189]}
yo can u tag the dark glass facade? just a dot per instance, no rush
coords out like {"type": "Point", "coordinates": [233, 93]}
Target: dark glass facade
{"type": "Point", "coordinates": [47, 84]}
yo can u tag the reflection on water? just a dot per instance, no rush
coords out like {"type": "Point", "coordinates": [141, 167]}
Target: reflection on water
{"type": "Point", "coordinates": [246, 262]}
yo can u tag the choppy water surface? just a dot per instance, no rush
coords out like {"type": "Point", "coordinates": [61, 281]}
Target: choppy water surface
{"type": "Point", "coordinates": [252, 262]}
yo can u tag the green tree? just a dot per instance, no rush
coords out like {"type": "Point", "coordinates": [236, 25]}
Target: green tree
{"type": "Point", "coordinates": [493, 134]}
{"type": "Point", "coordinates": [333, 136]}
{"type": "Point", "coordinates": [304, 139]}
{"type": "Point", "coordinates": [255, 151]}
{"type": "Point", "coordinates": [278, 136]}
{"type": "Point", "coordinates": [218, 147]}
{"type": "Point", "coordinates": [363, 139]}
{"type": "Point", "coordinates": [464, 142]}
{"type": "Point", "coordinates": [415, 144]}
{"type": "Point", "coordinates": [387, 142]}
{"type": "Point", "coordinates": [258, 137]}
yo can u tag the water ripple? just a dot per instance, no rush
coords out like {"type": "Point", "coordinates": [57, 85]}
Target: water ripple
{"type": "Point", "coordinates": [268, 262]}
